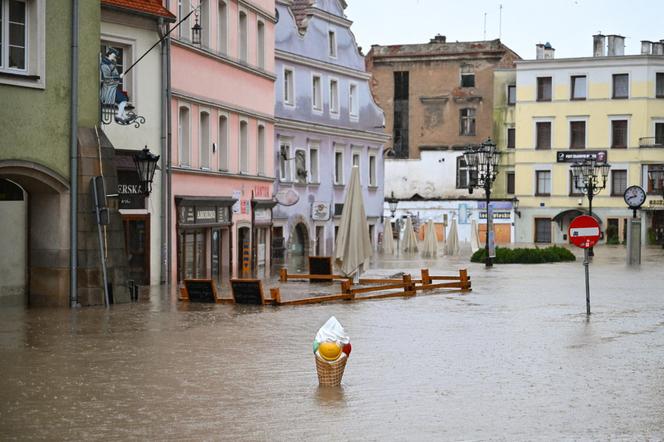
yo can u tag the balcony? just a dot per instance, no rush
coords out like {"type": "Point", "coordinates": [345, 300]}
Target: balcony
{"type": "Point", "coordinates": [651, 142]}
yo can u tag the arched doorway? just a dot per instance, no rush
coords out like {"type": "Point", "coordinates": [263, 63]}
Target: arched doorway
{"type": "Point", "coordinates": [45, 243]}
{"type": "Point", "coordinates": [13, 244]}
{"type": "Point", "coordinates": [299, 248]}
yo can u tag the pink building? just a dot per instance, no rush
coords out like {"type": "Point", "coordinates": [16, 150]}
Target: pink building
{"type": "Point", "coordinates": [222, 118]}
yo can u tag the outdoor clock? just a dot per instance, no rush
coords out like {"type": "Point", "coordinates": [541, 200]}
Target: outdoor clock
{"type": "Point", "coordinates": [635, 196]}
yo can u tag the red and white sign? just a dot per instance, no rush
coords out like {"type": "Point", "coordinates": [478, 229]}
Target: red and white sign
{"type": "Point", "coordinates": [584, 231]}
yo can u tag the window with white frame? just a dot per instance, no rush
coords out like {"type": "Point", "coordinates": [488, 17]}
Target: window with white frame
{"type": "Point", "coordinates": [260, 150]}
{"type": "Point", "coordinates": [22, 35]}
{"type": "Point", "coordinates": [356, 159]}
{"type": "Point", "coordinates": [284, 160]}
{"type": "Point", "coordinates": [543, 182]}
{"type": "Point", "coordinates": [332, 43]}
{"type": "Point", "coordinates": [184, 136]}
{"type": "Point", "coordinates": [461, 173]}
{"type": "Point", "coordinates": [467, 122]}
{"type": "Point", "coordinates": [184, 8]}
{"type": "Point", "coordinates": [242, 36]}
{"type": "Point", "coordinates": [511, 94]}
{"type": "Point", "coordinates": [123, 60]}
{"type": "Point", "coordinates": [222, 27]}
{"type": "Point", "coordinates": [338, 167]}
{"type": "Point", "coordinates": [353, 104]}
{"type": "Point", "coordinates": [204, 13]}
{"type": "Point", "coordinates": [222, 142]}
{"type": "Point", "coordinates": [289, 86]}
{"type": "Point", "coordinates": [334, 97]}
{"type": "Point", "coordinates": [260, 45]}
{"type": "Point", "coordinates": [313, 163]}
{"type": "Point", "coordinates": [244, 147]}
{"type": "Point", "coordinates": [578, 87]}
{"type": "Point", "coordinates": [372, 170]}
{"type": "Point", "coordinates": [204, 140]}
{"type": "Point", "coordinates": [316, 93]}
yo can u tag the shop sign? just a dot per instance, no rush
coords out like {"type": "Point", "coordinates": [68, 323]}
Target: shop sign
{"type": "Point", "coordinates": [237, 194]}
{"type": "Point", "coordinates": [130, 192]}
{"type": "Point", "coordinates": [499, 214]}
{"type": "Point", "coordinates": [576, 156]}
{"type": "Point", "coordinates": [656, 203]}
{"type": "Point", "coordinates": [287, 197]}
{"type": "Point", "coordinates": [262, 215]}
{"type": "Point", "coordinates": [223, 215]}
{"type": "Point", "coordinates": [320, 211]}
{"type": "Point", "coordinates": [205, 215]}
{"type": "Point", "coordinates": [261, 191]}
{"type": "Point", "coordinates": [187, 215]}
{"type": "Point", "coordinates": [244, 207]}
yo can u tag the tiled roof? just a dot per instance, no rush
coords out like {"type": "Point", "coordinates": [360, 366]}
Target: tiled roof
{"type": "Point", "coordinates": [438, 48]}
{"type": "Point", "coordinates": [149, 7]}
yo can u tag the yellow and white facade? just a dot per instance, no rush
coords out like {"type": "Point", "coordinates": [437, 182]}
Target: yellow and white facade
{"type": "Point", "coordinates": [602, 103]}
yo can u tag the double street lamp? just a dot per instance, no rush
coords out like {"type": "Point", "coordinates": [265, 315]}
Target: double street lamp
{"type": "Point", "coordinates": [482, 162]}
{"type": "Point", "coordinates": [392, 203]}
{"type": "Point", "coordinates": [590, 177]}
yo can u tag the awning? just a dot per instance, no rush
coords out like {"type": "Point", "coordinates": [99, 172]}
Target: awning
{"type": "Point", "coordinates": [263, 204]}
{"type": "Point", "coordinates": [571, 214]}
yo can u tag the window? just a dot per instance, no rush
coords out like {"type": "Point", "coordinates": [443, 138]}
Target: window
{"type": "Point", "coordinates": [204, 11]}
{"type": "Point", "coordinates": [289, 99]}
{"type": "Point", "coordinates": [543, 135]}
{"type": "Point", "coordinates": [334, 97]}
{"type": "Point", "coordinates": [654, 186]}
{"type": "Point", "coordinates": [577, 134]}
{"type": "Point", "coordinates": [284, 162]}
{"type": "Point", "coordinates": [338, 167]}
{"type": "Point", "coordinates": [183, 11]}
{"type": "Point", "coordinates": [316, 93]}
{"type": "Point", "coordinates": [659, 133]}
{"type": "Point", "coordinates": [659, 85]}
{"type": "Point", "coordinates": [401, 127]}
{"type": "Point", "coordinates": [242, 37]}
{"type": "Point", "coordinates": [332, 44]}
{"type": "Point", "coordinates": [618, 182]}
{"type": "Point", "coordinates": [260, 49]}
{"type": "Point", "coordinates": [353, 105]}
{"type": "Point", "coordinates": [467, 80]}
{"type": "Point", "coordinates": [372, 170]}
{"type": "Point", "coordinates": [461, 173]}
{"type": "Point", "coordinates": [260, 147]}
{"type": "Point", "coordinates": [313, 164]}
{"type": "Point", "coordinates": [244, 147]}
{"type": "Point", "coordinates": [573, 190]}
{"type": "Point", "coordinates": [183, 136]}
{"type": "Point", "coordinates": [618, 134]}
{"type": "Point", "coordinates": [620, 85]}
{"type": "Point", "coordinates": [511, 94]}
{"type": "Point", "coordinates": [543, 178]}
{"type": "Point", "coordinates": [578, 87]}
{"type": "Point", "coordinates": [222, 23]}
{"type": "Point", "coordinates": [467, 122]}
{"type": "Point", "coordinates": [356, 159]}
{"type": "Point", "coordinates": [542, 230]}
{"type": "Point", "coordinates": [13, 35]}
{"type": "Point", "coordinates": [511, 137]}
{"type": "Point", "coordinates": [510, 183]}
{"type": "Point", "coordinates": [204, 140]}
{"type": "Point", "coordinates": [223, 143]}
{"type": "Point", "coordinates": [300, 166]}
{"type": "Point", "coordinates": [22, 35]}
{"type": "Point", "coordinates": [543, 88]}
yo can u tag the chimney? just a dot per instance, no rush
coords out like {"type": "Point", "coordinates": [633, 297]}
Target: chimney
{"type": "Point", "coordinates": [438, 39]}
{"type": "Point", "coordinates": [539, 51]}
{"type": "Point", "coordinates": [616, 45]}
{"type": "Point", "coordinates": [658, 48]}
{"type": "Point", "coordinates": [646, 47]}
{"type": "Point", "coordinates": [599, 43]}
{"type": "Point", "coordinates": [548, 51]}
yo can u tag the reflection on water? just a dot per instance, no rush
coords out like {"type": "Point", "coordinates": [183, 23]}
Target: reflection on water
{"type": "Point", "coordinates": [515, 358]}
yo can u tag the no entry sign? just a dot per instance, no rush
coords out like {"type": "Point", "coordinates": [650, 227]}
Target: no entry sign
{"type": "Point", "coordinates": [584, 231]}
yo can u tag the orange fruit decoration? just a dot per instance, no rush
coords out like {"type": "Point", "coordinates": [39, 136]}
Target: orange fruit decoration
{"type": "Point", "coordinates": [329, 351]}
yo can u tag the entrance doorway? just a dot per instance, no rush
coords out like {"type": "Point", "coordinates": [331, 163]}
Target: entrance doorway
{"type": "Point", "coordinates": [299, 247]}
{"type": "Point", "coordinates": [137, 247]}
{"type": "Point", "coordinates": [244, 251]}
{"type": "Point", "coordinates": [13, 244]}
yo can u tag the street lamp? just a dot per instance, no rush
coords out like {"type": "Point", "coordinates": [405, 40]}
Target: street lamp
{"type": "Point", "coordinates": [196, 30]}
{"type": "Point", "coordinates": [482, 162]}
{"type": "Point", "coordinates": [656, 178]}
{"type": "Point", "coordinates": [392, 203]}
{"type": "Point", "coordinates": [146, 164]}
{"type": "Point", "coordinates": [590, 178]}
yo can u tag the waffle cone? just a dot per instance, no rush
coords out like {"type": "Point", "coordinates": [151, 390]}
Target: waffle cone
{"type": "Point", "coordinates": [330, 372]}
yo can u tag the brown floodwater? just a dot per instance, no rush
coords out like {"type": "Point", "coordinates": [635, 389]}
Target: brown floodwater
{"type": "Point", "coordinates": [515, 359]}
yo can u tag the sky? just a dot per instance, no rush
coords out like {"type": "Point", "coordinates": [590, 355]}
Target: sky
{"type": "Point", "coordinates": [567, 24]}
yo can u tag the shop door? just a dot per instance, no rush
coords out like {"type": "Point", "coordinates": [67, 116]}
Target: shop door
{"type": "Point", "coordinates": [244, 251]}
{"type": "Point", "coordinates": [215, 255]}
{"type": "Point", "coordinates": [192, 254]}
{"type": "Point", "coordinates": [137, 247]}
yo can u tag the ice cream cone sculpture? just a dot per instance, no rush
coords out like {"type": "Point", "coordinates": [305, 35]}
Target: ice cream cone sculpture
{"type": "Point", "coordinates": [331, 349]}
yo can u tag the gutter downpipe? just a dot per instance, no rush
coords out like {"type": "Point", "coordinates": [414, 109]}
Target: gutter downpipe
{"type": "Point", "coordinates": [169, 146]}
{"type": "Point", "coordinates": [73, 162]}
{"type": "Point", "coordinates": [164, 142]}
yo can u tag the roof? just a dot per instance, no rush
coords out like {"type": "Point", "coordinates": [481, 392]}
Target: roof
{"type": "Point", "coordinates": [152, 8]}
{"type": "Point", "coordinates": [440, 48]}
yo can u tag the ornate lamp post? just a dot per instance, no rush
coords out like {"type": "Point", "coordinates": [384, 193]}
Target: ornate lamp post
{"type": "Point", "coordinates": [656, 177]}
{"type": "Point", "coordinates": [146, 164]}
{"type": "Point", "coordinates": [392, 202]}
{"type": "Point", "coordinates": [590, 178]}
{"type": "Point", "coordinates": [482, 164]}
{"type": "Point", "coordinates": [196, 30]}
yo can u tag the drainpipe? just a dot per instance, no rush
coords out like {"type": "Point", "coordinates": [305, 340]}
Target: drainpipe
{"type": "Point", "coordinates": [169, 146]}
{"type": "Point", "coordinates": [73, 161]}
{"type": "Point", "coordinates": [164, 181]}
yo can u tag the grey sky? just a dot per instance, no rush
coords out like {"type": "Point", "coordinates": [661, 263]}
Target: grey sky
{"type": "Point", "coordinates": [567, 24]}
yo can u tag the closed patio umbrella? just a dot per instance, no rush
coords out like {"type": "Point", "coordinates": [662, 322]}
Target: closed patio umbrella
{"type": "Point", "coordinates": [474, 236]}
{"type": "Point", "coordinates": [430, 245]}
{"type": "Point", "coordinates": [452, 245]}
{"type": "Point", "coordinates": [409, 238]}
{"type": "Point", "coordinates": [388, 240]}
{"type": "Point", "coordinates": [353, 244]}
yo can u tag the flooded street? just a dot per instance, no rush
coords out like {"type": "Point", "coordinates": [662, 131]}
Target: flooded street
{"type": "Point", "coordinates": [515, 359]}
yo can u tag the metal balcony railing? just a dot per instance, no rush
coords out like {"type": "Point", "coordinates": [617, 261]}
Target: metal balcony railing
{"type": "Point", "coordinates": [651, 142]}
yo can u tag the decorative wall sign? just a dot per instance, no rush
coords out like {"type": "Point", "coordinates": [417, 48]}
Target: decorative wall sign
{"type": "Point", "coordinates": [287, 197]}
{"type": "Point", "coordinates": [320, 211]}
{"type": "Point", "coordinates": [115, 101]}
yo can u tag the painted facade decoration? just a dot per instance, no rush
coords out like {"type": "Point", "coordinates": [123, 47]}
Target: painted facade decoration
{"type": "Point", "coordinates": [113, 97]}
{"type": "Point", "coordinates": [326, 122]}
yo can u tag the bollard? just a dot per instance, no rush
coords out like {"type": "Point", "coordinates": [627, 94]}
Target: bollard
{"type": "Point", "coordinates": [463, 275]}
{"type": "Point", "coordinates": [426, 279]}
{"type": "Point", "coordinates": [283, 275]}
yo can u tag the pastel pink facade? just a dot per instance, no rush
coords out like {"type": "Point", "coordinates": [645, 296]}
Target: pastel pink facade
{"type": "Point", "coordinates": [222, 119]}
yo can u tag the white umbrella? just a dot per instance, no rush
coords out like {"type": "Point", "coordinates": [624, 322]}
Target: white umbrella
{"type": "Point", "coordinates": [474, 236]}
{"type": "Point", "coordinates": [430, 245]}
{"type": "Point", "coordinates": [409, 238]}
{"type": "Point", "coordinates": [452, 245]}
{"type": "Point", "coordinates": [388, 240]}
{"type": "Point", "coordinates": [353, 244]}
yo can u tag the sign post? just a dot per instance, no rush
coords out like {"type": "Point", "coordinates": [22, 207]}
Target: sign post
{"type": "Point", "coordinates": [584, 233]}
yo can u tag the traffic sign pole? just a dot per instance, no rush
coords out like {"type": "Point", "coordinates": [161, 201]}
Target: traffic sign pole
{"type": "Point", "coordinates": [585, 264]}
{"type": "Point", "coordinates": [584, 232]}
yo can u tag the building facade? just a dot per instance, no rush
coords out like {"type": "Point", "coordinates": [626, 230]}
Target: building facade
{"type": "Point", "coordinates": [327, 122]}
{"type": "Point", "coordinates": [222, 119]}
{"type": "Point", "coordinates": [611, 105]}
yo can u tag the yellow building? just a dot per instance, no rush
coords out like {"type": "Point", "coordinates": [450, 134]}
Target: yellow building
{"type": "Point", "coordinates": [610, 105]}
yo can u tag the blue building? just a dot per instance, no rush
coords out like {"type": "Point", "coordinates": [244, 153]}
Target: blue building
{"type": "Point", "coordinates": [326, 122]}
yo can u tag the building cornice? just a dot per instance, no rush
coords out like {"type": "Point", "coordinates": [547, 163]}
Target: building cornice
{"type": "Point", "coordinates": [282, 123]}
{"type": "Point", "coordinates": [341, 21]}
{"type": "Point", "coordinates": [317, 64]}
{"type": "Point", "coordinates": [218, 173]}
{"type": "Point", "coordinates": [182, 95]}
{"type": "Point", "coordinates": [224, 59]}
{"type": "Point", "coordinates": [420, 58]}
{"type": "Point", "coordinates": [258, 10]}
{"type": "Point", "coordinates": [567, 63]}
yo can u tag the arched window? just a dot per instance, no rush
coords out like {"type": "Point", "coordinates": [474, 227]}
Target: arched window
{"type": "Point", "coordinates": [184, 136]}
{"type": "Point", "coordinates": [223, 27]}
{"type": "Point", "coordinates": [260, 46]}
{"type": "Point", "coordinates": [244, 147]}
{"type": "Point", "coordinates": [242, 37]}
{"type": "Point", "coordinates": [204, 140]}
{"type": "Point", "coordinates": [260, 147]}
{"type": "Point", "coordinates": [223, 143]}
